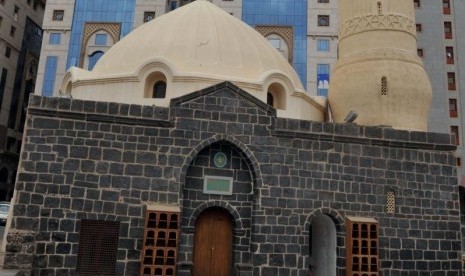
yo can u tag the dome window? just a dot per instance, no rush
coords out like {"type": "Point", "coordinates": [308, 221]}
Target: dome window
{"type": "Point", "coordinates": [159, 90]}
{"type": "Point", "coordinates": [384, 86]}
{"type": "Point", "coordinates": [276, 96]}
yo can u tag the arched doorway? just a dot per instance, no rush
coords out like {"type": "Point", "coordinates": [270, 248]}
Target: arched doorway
{"type": "Point", "coordinates": [213, 243]}
{"type": "Point", "coordinates": [323, 246]}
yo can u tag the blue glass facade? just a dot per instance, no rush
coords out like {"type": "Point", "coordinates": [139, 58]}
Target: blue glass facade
{"type": "Point", "coordinates": [93, 59]}
{"type": "Point", "coordinates": [285, 13]}
{"type": "Point", "coordinates": [49, 78]}
{"type": "Point", "coordinates": [121, 11]}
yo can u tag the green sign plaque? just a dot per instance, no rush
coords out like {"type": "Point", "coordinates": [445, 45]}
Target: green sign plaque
{"type": "Point", "coordinates": [217, 185]}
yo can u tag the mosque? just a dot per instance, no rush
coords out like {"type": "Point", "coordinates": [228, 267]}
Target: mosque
{"type": "Point", "coordinates": [197, 151]}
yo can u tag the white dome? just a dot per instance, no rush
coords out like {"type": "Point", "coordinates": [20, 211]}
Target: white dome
{"type": "Point", "coordinates": [199, 39]}
{"type": "Point", "coordinates": [189, 49]}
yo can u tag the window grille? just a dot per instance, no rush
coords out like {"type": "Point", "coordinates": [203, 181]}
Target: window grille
{"type": "Point", "coordinates": [160, 247]}
{"type": "Point", "coordinates": [362, 247]}
{"type": "Point", "coordinates": [98, 247]}
{"type": "Point", "coordinates": [384, 86]}
{"type": "Point", "coordinates": [390, 202]}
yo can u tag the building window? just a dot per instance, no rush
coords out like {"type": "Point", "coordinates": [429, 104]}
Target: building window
{"type": "Point", "coordinates": [161, 239]}
{"type": "Point", "coordinates": [1, 20]}
{"type": "Point", "coordinates": [159, 90]}
{"type": "Point", "coordinates": [12, 31]}
{"type": "Point", "coordinates": [322, 71]}
{"type": "Point", "coordinates": [149, 15]}
{"type": "Point", "coordinates": [101, 39]}
{"type": "Point", "coordinates": [380, 8]}
{"type": "Point", "coordinates": [390, 202]}
{"type": "Point", "coordinates": [446, 6]}
{"type": "Point", "coordinates": [323, 1]}
{"type": "Point", "coordinates": [362, 246]}
{"type": "Point", "coordinates": [8, 52]}
{"type": "Point", "coordinates": [280, 44]}
{"type": "Point", "coordinates": [3, 84]}
{"type": "Point", "coordinates": [384, 86]}
{"type": "Point", "coordinates": [459, 162]}
{"type": "Point", "coordinates": [49, 78]}
{"type": "Point", "coordinates": [2, 2]}
{"type": "Point", "coordinates": [418, 27]}
{"type": "Point", "coordinates": [58, 15]}
{"type": "Point", "coordinates": [173, 5]}
{"type": "Point", "coordinates": [453, 108]}
{"type": "Point", "coordinates": [416, 3]}
{"type": "Point", "coordinates": [323, 20]}
{"type": "Point", "coordinates": [450, 55]}
{"type": "Point", "coordinates": [322, 45]}
{"type": "Point", "coordinates": [451, 81]}
{"type": "Point", "coordinates": [420, 52]}
{"type": "Point", "coordinates": [16, 13]}
{"type": "Point", "coordinates": [448, 30]}
{"type": "Point", "coordinates": [454, 130]}
{"type": "Point", "coordinates": [93, 58]}
{"type": "Point", "coordinates": [55, 39]}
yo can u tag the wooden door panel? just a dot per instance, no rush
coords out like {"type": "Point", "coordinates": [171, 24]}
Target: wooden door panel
{"type": "Point", "coordinates": [213, 244]}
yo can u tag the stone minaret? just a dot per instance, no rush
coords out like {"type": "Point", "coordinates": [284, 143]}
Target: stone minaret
{"type": "Point", "coordinates": [378, 74]}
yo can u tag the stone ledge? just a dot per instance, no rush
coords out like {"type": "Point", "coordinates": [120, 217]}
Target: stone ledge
{"type": "Point", "coordinates": [365, 135]}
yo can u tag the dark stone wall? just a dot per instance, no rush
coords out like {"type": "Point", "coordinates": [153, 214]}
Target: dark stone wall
{"type": "Point", "coordinates": [106, 161]}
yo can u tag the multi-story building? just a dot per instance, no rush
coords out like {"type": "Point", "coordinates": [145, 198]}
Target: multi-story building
{"type": "Point", "coordinates": [20, 42]}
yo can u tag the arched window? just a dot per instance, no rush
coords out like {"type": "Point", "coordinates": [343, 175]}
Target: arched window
{"type": "Point", "coordinates": [279, 44]}
{"type": "Point", "coordinates": [269, 99]}
{"type": "Point", "coordinates": [276, 96]}
{"type": "Point", "coordinates": [384, 86]}
{"type": "Point", "coordinates": [93, 58]}
{"type": "Point", "coordinates": [159, 90]}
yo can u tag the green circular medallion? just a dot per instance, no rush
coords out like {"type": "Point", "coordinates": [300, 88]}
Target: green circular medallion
{"type": "Point", "coordinates": [220, 160]}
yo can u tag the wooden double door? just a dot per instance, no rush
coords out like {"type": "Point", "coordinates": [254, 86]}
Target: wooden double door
{"type": "Point", "coordinates": [213, 243]}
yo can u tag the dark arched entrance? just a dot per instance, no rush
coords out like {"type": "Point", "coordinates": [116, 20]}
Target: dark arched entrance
{"type": "Point", "coordinates": [323, 246]}
{"type": "Point", "coordinates": [213, 243]}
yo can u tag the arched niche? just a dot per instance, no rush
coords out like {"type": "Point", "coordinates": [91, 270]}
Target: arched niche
{"type": "Point", "coordinates": [155, 82]}
{"type": "Point", "coordinates": [276, 95]}
{"type": "Point", "coordinates": [323, 246]}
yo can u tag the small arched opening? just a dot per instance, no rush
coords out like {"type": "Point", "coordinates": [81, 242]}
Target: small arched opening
{"type": "Point", "coordinates": [276, 96]}
{"type": "Point", "coordinates": [156, 86]}
{"type": "Point", "coordinates": [159, 90]}
{"type": "Point", "coordinates": [323, 247]}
